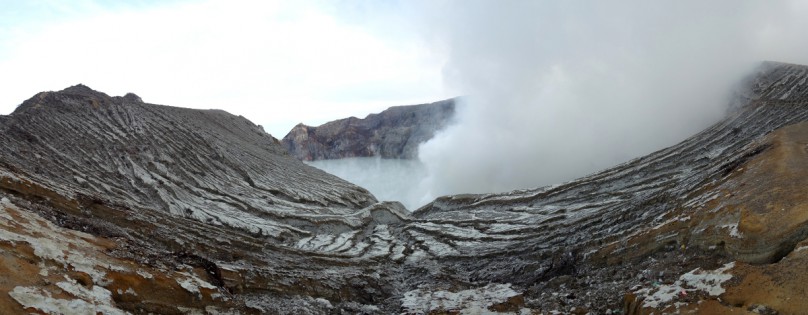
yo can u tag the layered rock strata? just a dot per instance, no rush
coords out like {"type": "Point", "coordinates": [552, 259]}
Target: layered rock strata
{"type": "Point", "coordinates": [123, 206]}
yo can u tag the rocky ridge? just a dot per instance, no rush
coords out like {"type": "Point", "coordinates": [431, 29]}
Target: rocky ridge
{"type": "Point", "coordinates": [204, 205]}
{"type": "Point", "coordinates": [176, 189]}
{"type": "Point", "coordinates": [394, 133]}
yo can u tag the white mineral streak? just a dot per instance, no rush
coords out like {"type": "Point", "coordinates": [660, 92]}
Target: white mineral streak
{"type": "Point", "coordinates": [708, 282]}
{"type": "Point", "coordinates": [472, 301]}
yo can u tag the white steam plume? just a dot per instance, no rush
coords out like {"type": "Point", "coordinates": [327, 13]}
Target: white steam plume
{"type": "Point", "coordinates": [560, 89]}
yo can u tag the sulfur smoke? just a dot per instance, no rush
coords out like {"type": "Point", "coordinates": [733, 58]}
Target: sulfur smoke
{"type": "Point", "coordinates": [560, 89]}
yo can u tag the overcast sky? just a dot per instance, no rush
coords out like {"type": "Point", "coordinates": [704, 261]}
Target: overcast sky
{"type": "Point", "coordinates": [277, 63]}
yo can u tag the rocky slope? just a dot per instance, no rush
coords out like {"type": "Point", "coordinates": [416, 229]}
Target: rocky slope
{"type": "Point", "coordinates": [172, 190]}
{"type": "Point", "coordinates": [394, 133]}
{"type": "Point", "coordinates": [113, 205]}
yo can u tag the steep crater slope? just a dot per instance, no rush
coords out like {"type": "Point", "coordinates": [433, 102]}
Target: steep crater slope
{"type": "Point", "coordinates": [204, 204]}
{"type": "Point", "coordinates": [175, 188]}
{"type": "Point", "coordinates": [209, 165]}
{"type": "Point", "coordinates": [393, 134]}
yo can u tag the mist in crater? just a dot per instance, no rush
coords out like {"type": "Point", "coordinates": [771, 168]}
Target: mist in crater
{"type": "Point", "coordinates": [387, 179]}
{"type": "Point", "coordinates": [556, 90]}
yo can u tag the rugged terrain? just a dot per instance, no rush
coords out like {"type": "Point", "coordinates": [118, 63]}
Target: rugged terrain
{"type": "Point", "coordinates": [392, 134]}
{"type": "Point", "coordinates": [112, 205]}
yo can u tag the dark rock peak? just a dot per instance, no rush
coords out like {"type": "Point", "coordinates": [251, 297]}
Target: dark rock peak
{"type": "Point", "coordinates": [394, 133]}
{"type": "Point", "coordinates": [74, 97]}
{"type": "Point", "coordinates": [132, 97]}
{"type": "Point", "coordinates": [302, 126]}
{"type": "Point", "coordinates": [80, 89]}
{"type": "Point", "coordinates": [71, 98]}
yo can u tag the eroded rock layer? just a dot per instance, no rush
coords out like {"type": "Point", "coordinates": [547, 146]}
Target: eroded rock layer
{"type": "Point", "coordinates": [176, 188]}
{"type": "Point", "coordinates": [392, 134]}
{"type": "Point", "coordinates": [120, 206]}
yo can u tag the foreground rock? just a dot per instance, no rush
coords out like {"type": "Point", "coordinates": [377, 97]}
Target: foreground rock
{"type": "Point", "coordinates": [122, 206]}
{"type": "Point", "coordinates": [392, 134]}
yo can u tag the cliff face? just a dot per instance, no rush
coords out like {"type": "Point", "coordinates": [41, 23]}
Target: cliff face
{"type": "Point", "coordinates": [394, 133]}
{"type": "Point", "coordinates": [114, 205]}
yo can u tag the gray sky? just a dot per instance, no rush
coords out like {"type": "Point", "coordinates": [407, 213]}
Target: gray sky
{"type": "Point", "coordinates": [277, 63]}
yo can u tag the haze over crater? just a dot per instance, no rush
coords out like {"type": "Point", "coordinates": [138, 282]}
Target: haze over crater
{"type": "Point", "coordinates": [557, 90]}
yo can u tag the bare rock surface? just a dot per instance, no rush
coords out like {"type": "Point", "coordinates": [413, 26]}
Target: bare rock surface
{"type": "Point", "coordinates": [127, 207]}
{"type": "Point", "coordinates": [178, 188]}
{"type": "Point", "coordinates": [393, 134]}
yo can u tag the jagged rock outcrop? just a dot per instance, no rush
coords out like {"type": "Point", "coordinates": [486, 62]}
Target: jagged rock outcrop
{"type": "Point", "coordinates": [123, 206]}
{"type": "Point", "coordinates": [393, 134]}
